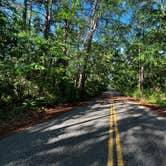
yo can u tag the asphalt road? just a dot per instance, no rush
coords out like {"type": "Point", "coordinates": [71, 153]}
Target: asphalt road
{"type": "Point", "coordinates": [85, 137]}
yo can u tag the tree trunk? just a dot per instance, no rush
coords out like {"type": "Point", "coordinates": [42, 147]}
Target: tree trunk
{"type": "Point", "coordinates": [25, 15]}
{"type": "Point", "coordinates": [87, 46]}
{"type": "Point", "coordinates": [66, 31]}
{"type": "Point", "coordinates": [141, 80]}
{"type": "Point", "coordinates": [141, 76]}
{"type": "Point", "coordinates": [47, 18]}
{"type": "Point", "coordinates": [30, 17]}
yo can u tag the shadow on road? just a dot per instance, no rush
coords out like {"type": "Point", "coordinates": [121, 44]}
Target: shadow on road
{"type": "Point", "coordinates": [143, 135]}
{"type": "Point", "coordinates": [80, 137]}
{"type": "Point", "coordinates": [76, 138]}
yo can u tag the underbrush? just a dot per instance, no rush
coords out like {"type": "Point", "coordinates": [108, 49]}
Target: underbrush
{"type": "Point", "coordinates": [151, 97]}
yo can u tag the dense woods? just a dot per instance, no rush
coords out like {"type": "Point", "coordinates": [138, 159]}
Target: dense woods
{"type": "Point", "coordinates": [55, 51]}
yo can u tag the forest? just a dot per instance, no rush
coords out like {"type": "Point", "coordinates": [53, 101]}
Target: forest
{"type": "Point", "coordinates": [58, 51]}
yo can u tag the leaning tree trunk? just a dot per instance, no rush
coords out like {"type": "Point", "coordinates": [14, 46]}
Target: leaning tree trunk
{"type": "Point", "coordinates": [87, 46]}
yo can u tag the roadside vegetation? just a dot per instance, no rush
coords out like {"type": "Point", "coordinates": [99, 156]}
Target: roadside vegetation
{"type": "Point", "coordinates": [62, 51]}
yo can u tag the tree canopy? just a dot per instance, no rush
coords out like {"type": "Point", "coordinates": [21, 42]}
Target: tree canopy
{"type": "Point", "coordinates": [54, 51]}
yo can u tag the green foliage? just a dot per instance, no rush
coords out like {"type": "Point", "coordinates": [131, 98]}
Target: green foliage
{"type": "Point", "coordinates": [153, 97]}
{"type": "Point", "coordinates": [43, 62]}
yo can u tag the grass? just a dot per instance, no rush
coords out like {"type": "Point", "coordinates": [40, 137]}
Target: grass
{"type": "Point", "coordinates": [151, 97]}
{"type": "Point", "coordinates": [161, 102]}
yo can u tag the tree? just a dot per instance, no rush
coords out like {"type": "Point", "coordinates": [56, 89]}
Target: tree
{"type": "Point", "coordinates": [57, 51]}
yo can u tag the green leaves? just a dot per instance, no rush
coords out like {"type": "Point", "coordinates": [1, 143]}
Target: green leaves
{"type": "Point", "coordinates": [36, 66]}
{"type": "Point", "coordinates": [116, 1]}
{"type": "Point", "coordinates": [38, 69]}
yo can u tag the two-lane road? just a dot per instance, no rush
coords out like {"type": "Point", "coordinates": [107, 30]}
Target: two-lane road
{"type": "Point", "coordinates": [96, 134]}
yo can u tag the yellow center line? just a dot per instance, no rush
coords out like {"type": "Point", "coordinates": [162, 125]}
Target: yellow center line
{"type": "Point", "coordinates": [114, 127]}
{"type": "Point", "coordinates": [110, 141]}
{"type": "Point", "coordinates": [117, 139]}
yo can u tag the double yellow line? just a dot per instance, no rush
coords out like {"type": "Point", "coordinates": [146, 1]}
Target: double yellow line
{"type": "Point", "coordinates": [114, 131]}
